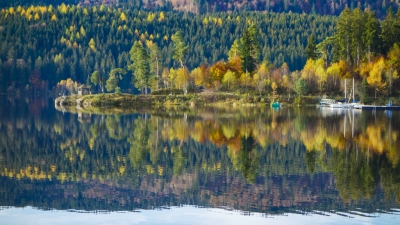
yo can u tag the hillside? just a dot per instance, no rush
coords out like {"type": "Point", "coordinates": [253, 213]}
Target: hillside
{"type": "Point", "coordinates": [56, 43]}
{"type": "Point", "coordinates": [322, 7]}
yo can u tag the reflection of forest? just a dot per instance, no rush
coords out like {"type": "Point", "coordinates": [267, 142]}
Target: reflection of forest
{"type": "Point", "coordinates": [250, 158]}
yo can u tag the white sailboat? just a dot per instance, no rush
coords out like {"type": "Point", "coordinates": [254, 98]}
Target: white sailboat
{"type": "Point", "coordinates": [343, 104]}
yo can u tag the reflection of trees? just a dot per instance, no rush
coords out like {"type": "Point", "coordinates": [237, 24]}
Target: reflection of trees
{"type": "Point", "coordinates": [251, 143]}
{"type": "Point", "coordinates": [114, 128]}
{"type": "Point", "coordinates": [390, 177]}
{"type": "Point", "coordinates": [139, 141]}
{"type": "Point", "coordinates": [248, 158]}
{"type": "Point", "coordinates": [356, 176]}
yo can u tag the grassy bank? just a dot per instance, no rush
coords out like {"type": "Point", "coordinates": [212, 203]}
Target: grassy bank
{"type": "Point", "coordinates": [189, 100]}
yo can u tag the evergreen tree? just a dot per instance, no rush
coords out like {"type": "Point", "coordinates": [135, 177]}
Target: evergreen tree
{"type": "Point", "coordinates": [140, 67]}
{"type": "Point", "coordinates": [114, 76]}
{"type": "Point", "coordinates": [311, 49]}
{"type": "Point", "coordinates": [249, 50]}
{"type": "Point", "coordinates": [343, 35]}
{"type": "Point", "coordinates": [180, 48]}
{"type": "Point", "coordinates": [371, 34]}
{"type": "Point", "coordinates": [389, 34]}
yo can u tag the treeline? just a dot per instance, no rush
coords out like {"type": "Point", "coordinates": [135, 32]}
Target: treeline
{"type": "Point", "coordinates": [56, 43]}
{"type": "Point", "coordinates": [322, 7]}
{"type": "Point", "coordinates": [363, 48]}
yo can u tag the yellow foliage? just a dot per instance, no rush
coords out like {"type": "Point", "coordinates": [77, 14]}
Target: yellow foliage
{"type": "Point", "coordinates": [123, 17]}
{"type": "Point", "coordinates": [149, 43]}
{"type": "Point", "coordinates": [11, 10]}
{"type": "Point", "coordinates": [375, 75]}
{"type": "Point", "coordinates": [62, 8]}
{"type": "Point", "coordinates": [150, 169]}
{"type": "Point", "coordinates": [92, 45]}
{"type": "Point", "coordinates": [37, 17]}
{"type": "Point", "coordinates": [151, 17]}
{"type": "Point", "coordinates": [161, 17]}
{"type": "Point", "coordinates": [219, 22]}
{"type": "Point", "coordinates": [54, 17]}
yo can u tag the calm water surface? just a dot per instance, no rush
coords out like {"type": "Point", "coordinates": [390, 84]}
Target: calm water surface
{"type": "Point", "coordinates": [197, 166]}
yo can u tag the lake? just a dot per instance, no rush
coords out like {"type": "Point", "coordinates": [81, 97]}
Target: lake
{"type": "Point", "coordinates": [235, 165]}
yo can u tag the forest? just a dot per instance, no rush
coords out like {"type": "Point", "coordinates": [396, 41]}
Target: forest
{"type": "Point", "coordinates": [124, 50]}
{"type": "Point", "coordinates": [50, 44]}
{"type": "Point", "coordinates": [321, 7]}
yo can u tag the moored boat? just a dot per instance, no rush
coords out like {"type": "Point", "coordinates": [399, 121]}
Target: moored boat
{"type": "Point", "coordinates": [276, 104]}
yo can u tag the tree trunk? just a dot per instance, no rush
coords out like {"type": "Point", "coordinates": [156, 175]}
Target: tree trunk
{"type": "Point", "coordinates": [157, 72]}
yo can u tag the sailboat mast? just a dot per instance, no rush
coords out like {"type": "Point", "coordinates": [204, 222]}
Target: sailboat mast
{"type": "Point", "coordinates": [353, 91]}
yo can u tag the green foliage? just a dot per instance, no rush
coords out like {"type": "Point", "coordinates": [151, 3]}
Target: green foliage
{"type": "Point", "coordinates": [249, 49]}
{"type": "Point", "coordinates": [114, 77]}
{"type": "Point", "coordinates": [180, 48]}
{"type": "Point", "coordinates": [311, 49]}
{"type": "Point", "coordinates": [300, 87]}
{"type": "Point", "coordinates": [140, 66]}
{"type": "Point", "coordinates": [54, 49]}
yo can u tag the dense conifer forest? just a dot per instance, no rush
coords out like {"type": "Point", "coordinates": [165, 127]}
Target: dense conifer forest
{"type": "Point", "coordinates": [55, 43]}
{"type": "Point", "coordinates": [322, 7]}
{"type": "Point", "coordinates": [117, 49]}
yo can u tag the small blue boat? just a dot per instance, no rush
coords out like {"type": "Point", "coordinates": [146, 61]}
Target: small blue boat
{"type": "Point", "coordinates": [276, 105]}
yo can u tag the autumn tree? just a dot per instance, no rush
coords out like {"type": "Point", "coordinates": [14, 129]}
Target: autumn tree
{"type": "Point", "coordinates": [392, 65]}
{"type": "Point", "coordinates": [375, 79]}
{"type": "Point", "coordinates": [229, 79]}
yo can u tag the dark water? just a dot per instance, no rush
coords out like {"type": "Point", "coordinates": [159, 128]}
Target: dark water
{"type": "Point", "coordinates": [256, 161]}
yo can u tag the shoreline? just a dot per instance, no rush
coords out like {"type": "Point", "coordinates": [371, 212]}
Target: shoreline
{"type": "Point", "coordinates": [189, 100]}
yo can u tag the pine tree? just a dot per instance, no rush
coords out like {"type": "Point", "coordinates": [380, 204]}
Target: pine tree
{"type": "Point", "coordinates": [311, 49]}
{"type": "Point", "coordinates": [371, 35]}
{"type": "Point", "coordinates": [388, 31]}
{"type": "Point", "coordinates": [343, 35]}
{"type": "Point", "coordinates": [249, 50]}
{"type": "Point", "coordinates": [180, 48]}
{"type": "Point", "coordinates": [140, 67]}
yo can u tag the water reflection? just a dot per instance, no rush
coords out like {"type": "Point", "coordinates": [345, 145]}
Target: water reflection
{"type": "Point", "coordinates": [251, 159]}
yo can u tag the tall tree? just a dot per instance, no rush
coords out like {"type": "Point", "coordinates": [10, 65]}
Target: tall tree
{"type": "Point", "coordinates": [155, 59]}
{"type": "Point", "coordinates": [311, 49]}
{"type": "Point", "coordinates": [370, 37]}
{"type": "Point", "coordinates": [343, 35]}
{"type": "Point", "coordinates": [140, 66]}
{"type": "Point", "coordinates": [95, 79]}
{"type": "Point", "coordinates": [114, 76]}
{"type": "Point", "coordinates": [389, 34]}
{"type": "Point", "coordinates": [392, 65]}
{"type": "Point", "coordinates": [180, 48]}
{"type": "Point", "coordinates": [234, 51]}
{"type": "Point", "coordinates": [358, 26]}
{"type": "Point", "coordinates": [249, 50]}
